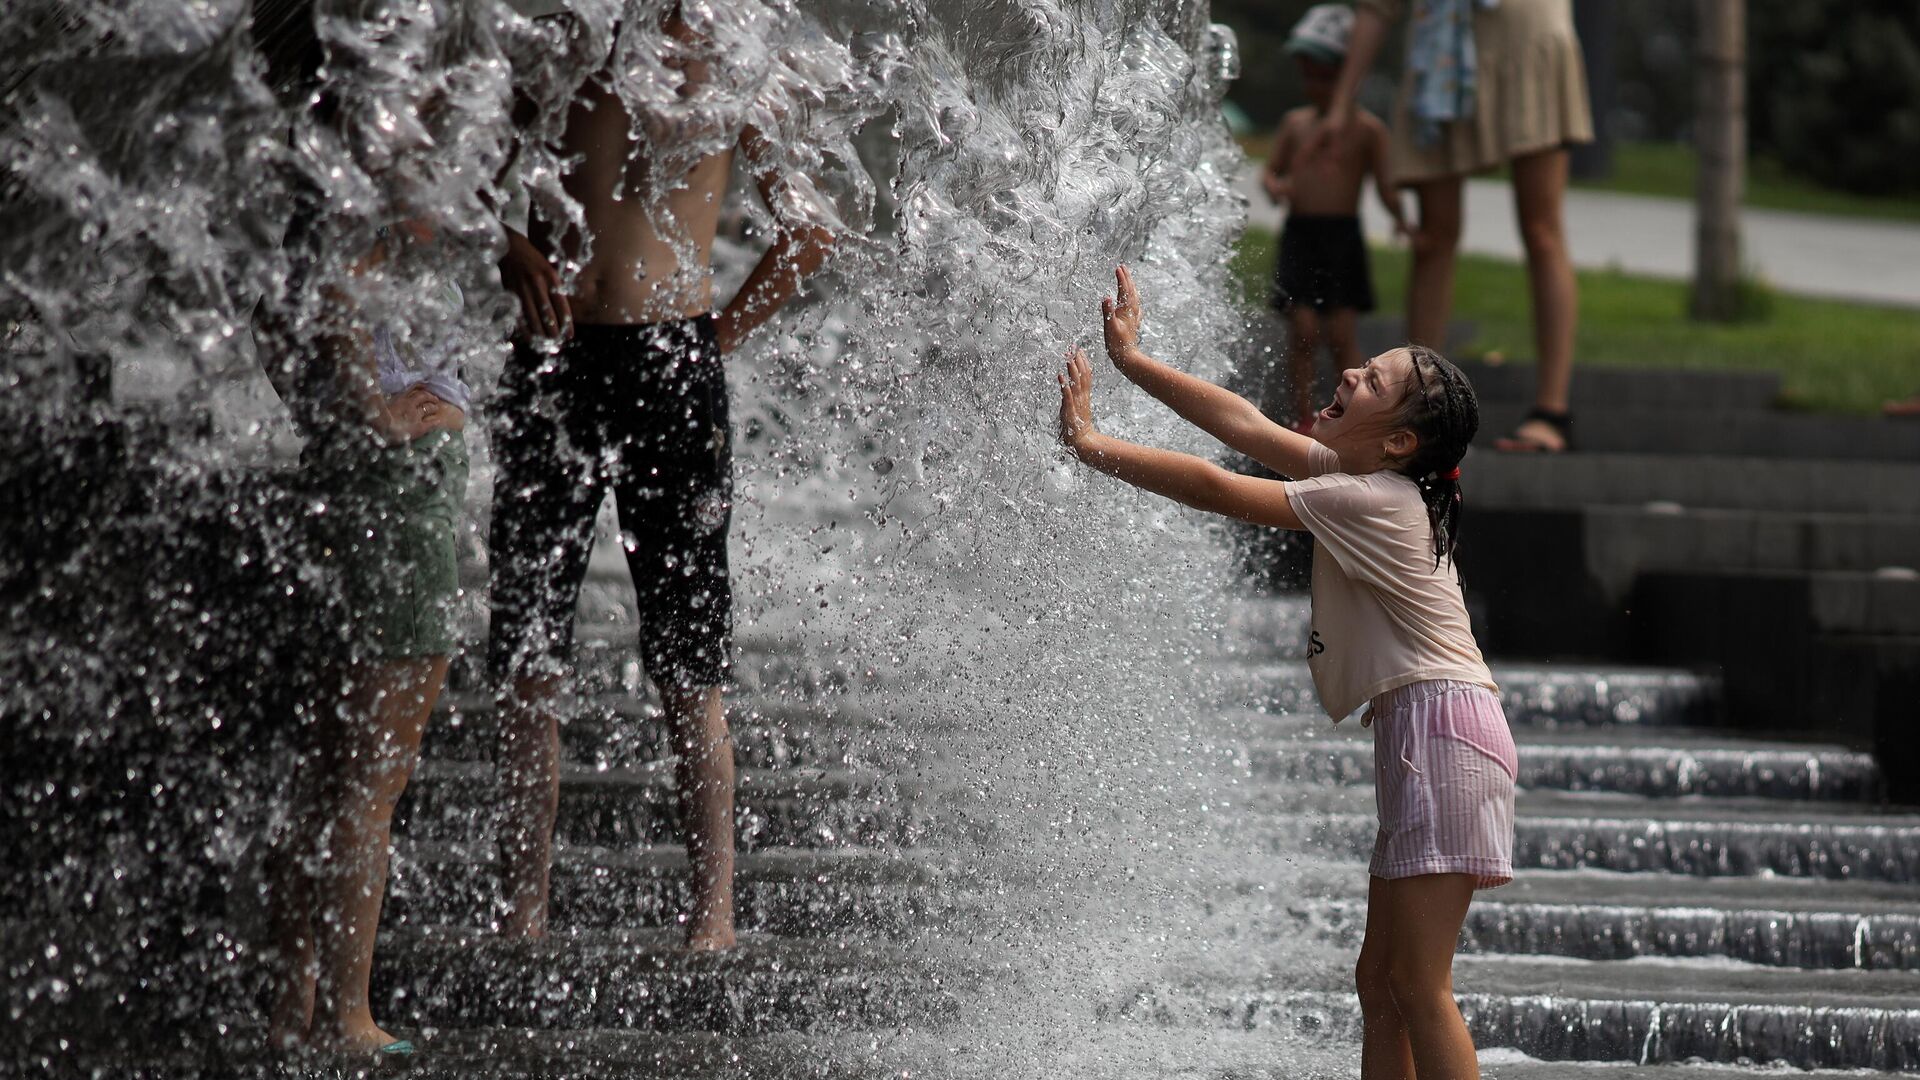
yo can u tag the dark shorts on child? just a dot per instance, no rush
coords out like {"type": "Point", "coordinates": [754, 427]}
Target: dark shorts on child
{"type": "Point", "coordinates": [1323, 264]}
{"type": "Point", "coordinates": [390, 531]}
{"type": "Point", "coordinates": [641, 411]}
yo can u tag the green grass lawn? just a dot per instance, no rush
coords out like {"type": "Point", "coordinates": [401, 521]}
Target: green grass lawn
{"type": "Point", "coordinates": [1835, 357]}
{"type": "Point", "coordinates": [1667, 169]}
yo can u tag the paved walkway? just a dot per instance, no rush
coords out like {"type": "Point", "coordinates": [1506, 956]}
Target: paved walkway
{"type": "Point", "coordinates": [1808, 254]}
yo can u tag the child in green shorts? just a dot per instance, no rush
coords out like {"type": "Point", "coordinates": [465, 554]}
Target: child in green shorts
{"type": "Point", "coordinates": [392, 465]}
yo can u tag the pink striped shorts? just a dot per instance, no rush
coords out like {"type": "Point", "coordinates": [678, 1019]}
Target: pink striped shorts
{"type": "Point", "coordinates": [1444, 769]}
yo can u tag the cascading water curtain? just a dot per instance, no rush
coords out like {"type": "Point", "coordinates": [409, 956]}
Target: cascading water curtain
{"type": "Point", "coordinates": [904, 508]}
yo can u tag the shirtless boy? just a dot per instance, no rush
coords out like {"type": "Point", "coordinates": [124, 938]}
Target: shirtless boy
{"type": "Point", "coordinates": [633, 401]}
{"type": "Point", "coordinates": [1322, 283]}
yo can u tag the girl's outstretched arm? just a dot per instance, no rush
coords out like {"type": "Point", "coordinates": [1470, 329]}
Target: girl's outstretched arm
{"type": "Point", "coordinates": [1181, 477]}
{"type": "Point", "coordinates": [1215, 410]}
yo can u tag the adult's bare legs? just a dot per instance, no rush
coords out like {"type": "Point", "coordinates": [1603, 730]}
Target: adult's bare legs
{"type": "Point", "coordinates": [1303, 347]}
{"type": "Point", "coordinates": [1539, 195]}
{"type": "Point", "coordinates": [331, 877]}
{"type": "Point", "coordinates": [1413, 926]}
{"type": "Point", "coordinates": [530, 785]}
{"type": "Point", "coordinates": [696, 717]}
{"type": "Point", "coordinates": [1430, 284]}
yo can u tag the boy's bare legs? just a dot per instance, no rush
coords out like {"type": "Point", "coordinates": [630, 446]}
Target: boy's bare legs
{"type": "Point", "coordinates": [529, 731]}
{"type": "Point", "coordinates": [1343, 337]}
{"type": "Point", "coordinates": [696, 717]}
{"type": "Point", "coordinates": [1405, 980]}
{"type": "Point", "coordinates": [1303, 347]}
{"type": "Point", "coordinates": [1539, 190]}
{"type": "Point", "coordinates": [1430, 284]}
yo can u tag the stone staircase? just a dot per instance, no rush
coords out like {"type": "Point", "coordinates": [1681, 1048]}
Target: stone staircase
{"type": "Point", "coordinates": [1701, 525]}
{"type": "Point", "coordinates": [1706, 867]}
{"type": "Point", "coordinates": [1683, 892]}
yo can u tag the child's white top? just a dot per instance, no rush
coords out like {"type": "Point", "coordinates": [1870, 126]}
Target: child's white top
{"type": "Point", "coordinates": [1383, 615]}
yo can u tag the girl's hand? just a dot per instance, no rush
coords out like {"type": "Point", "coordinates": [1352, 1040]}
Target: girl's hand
{"type": "Point", "coordinates": [1122, 318]}
{"type": "Point", "coordinates": [1076, 401]}
{"type": "Point", "coordinates": [407, 416]}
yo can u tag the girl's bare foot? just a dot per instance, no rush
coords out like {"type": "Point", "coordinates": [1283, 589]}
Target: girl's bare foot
{"type": "Point", "coordinates": [1903, 407]}
{"type": "Point", "coordinates": [711, 935]}
{"type": "Point", "coordinates": [363, 1040]}
{"type": "Point", "coordinates": [526, 922]}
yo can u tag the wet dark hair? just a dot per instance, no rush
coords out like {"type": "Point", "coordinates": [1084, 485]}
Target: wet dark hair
{"type": "Point", "coordinates": [1443, 414]}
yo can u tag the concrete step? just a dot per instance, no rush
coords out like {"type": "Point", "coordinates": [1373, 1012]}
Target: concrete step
{"type": "Point", "coordinates": [458, 802]}
{"type": "Point", "coordinates": [607, 661]}
{"type": "Point", "coordinates": [790, 892]}
{"type": "Point", "coordinates": [1691, 481]}
{"type": "Point", "coordinates": [1835, 602]}
{"type": "Point", "coordinates": [1677, 426]}
{"type": "Point", "coordinates": [622, 731]}
{"type": "Point", "coordinates": [644, 980]}
{"type": "Point", "coordinates": [1544, 695]}
{"type": "Point", "coordinates": [1603, 390]}
{"type": "Point", "coordinates": [239, 1052]}
{"type": "Point", "coordinates": [1629, 761]}
{"type": "Point", "coordinates": [1622, 542]}
{"type": "Point", "coordinates": [1599, 915]}
{"type": "Point", "coordinates": [1705, 838]}
{"type": "Point", "coordinates": [1645, 1012]}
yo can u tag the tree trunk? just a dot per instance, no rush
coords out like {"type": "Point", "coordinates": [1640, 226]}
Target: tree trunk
{"type": "Point", "coordinates": [1720, 140]}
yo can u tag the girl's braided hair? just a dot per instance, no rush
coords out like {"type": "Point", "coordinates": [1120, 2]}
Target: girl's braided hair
{"type": "Point", "coordinates": [1443, 414]}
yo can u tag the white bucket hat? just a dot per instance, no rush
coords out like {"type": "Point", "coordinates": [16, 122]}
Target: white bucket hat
{"type": "Point", "coordinates": [1322, 33]}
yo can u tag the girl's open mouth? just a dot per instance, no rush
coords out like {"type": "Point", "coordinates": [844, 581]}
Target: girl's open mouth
{"type": "Point", "coordinates": [1333, 411]}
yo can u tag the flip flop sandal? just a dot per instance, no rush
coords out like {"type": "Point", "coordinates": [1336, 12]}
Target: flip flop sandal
{"type": "Point", "coordinates": [1561, 422]}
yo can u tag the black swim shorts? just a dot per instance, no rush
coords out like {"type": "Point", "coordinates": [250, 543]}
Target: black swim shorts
{"type": "Point", "coordinates": [640, 411]}
{"type": "Point", "coordinates": [1323, 264]}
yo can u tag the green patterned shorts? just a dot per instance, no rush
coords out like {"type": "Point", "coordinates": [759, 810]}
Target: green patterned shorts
{"type": "Point", "coordinates": [391, 535]}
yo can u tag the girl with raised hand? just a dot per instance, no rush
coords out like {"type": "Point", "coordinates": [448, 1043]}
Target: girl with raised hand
{"type": "Point", "coordinates": [1379, 490]}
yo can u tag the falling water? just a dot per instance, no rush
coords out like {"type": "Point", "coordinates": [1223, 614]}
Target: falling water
{"type": "Point", "coordinates": [907, 528]}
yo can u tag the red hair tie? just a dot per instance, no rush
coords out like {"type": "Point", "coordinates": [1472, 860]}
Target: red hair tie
{"type": "Point", "coordinates": [1451, 474]}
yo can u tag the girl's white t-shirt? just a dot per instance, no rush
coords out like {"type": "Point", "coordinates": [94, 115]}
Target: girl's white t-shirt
{"type": "Point", "coordinates": [1383, 615]}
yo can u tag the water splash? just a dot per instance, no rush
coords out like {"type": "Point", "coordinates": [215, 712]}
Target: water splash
{"type": "Point", "coordinates": [907, 525]}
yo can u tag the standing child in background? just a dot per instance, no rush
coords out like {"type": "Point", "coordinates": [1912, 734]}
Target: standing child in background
{"type": "Point", "coordinates": [1390, 631]}
{"type": "Point", "coordinates": [1321, 280]}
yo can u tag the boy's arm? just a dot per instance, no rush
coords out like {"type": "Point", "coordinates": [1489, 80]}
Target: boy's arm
{"type": "Point", "coordinates": [1215, 410]}
{"type": "Point", "coordinates": [1273, 176]}
{"type": "Point", "coordinates": [525, 271]}
{"type": "Point", "coordinates": [796, 253]}
{"type": "Point", "coordinates": [1181, 477]}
